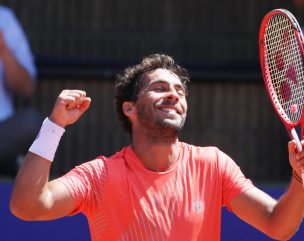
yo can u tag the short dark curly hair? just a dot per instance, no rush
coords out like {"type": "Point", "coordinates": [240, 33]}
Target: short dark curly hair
{"type": "Point", "coordinates": [129, 82]}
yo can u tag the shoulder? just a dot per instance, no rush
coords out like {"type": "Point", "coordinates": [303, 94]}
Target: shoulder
{"type": "Point", "coordinates": [101, 168]}
{"type": "Point", "coordinates": [199, 153]}
{"type": "Point", "coordinates": [114, 165]}
{"type": "Point", "coordinates": [210, 156]}
{"type": "Point", "coordinates": [95, 172]}
{"type": "Point", "coordinates": [115, 159]}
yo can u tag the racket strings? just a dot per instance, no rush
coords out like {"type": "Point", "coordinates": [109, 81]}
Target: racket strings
{"type": "Point", "coordinates": [285, 66]}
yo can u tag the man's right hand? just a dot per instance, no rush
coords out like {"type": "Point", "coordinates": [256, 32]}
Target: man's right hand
{"type": "Point", "coordinates": [69, 106]}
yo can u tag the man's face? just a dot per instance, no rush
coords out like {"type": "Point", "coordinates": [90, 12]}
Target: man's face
{"type": "Point", "coordinates": [161, 106]}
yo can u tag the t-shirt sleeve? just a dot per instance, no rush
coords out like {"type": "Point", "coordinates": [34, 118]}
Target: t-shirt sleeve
{"type": "Point", "coordinates": [233, 180]}
{"type": "Point", "coordinates": [86, 184]}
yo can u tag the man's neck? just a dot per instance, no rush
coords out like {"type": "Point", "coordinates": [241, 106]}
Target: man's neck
{"type": "Point", "coordinates": [157, 157]}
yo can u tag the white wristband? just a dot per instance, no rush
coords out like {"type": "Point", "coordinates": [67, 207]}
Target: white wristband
{"type": "Point", "coordinates": [47, 140]}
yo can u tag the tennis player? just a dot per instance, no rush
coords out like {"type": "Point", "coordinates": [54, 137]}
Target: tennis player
{"type": "Point", "coordinates": [157, 188]}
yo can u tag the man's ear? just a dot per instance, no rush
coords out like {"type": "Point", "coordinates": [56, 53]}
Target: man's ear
{"type": "Point", "coordinates": [128, 108]}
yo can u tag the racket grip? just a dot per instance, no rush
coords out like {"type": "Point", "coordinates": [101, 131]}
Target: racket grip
{"type": "Point", "coordinates": [299, 146]}
{"type": "Point", "coordinates": [296, 138]}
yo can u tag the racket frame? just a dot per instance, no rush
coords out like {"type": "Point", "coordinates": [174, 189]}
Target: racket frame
{"type": "Point", "coordinates": [290, 126]}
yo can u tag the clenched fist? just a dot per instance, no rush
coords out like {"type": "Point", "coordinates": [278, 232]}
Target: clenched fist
{"type": "Point", "coordinates": [69, 106]}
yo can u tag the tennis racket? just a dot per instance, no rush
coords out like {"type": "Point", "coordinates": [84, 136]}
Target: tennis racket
{"type": "Point", "coordinates": [281, 58]}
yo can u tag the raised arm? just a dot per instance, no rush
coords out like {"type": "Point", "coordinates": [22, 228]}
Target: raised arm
{"type": "Point", "coordinates": [278, 219]}
{"type": "Point", "coordinates": [33, 196]}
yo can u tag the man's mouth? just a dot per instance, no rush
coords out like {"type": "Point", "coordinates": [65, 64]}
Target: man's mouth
{"type": "Point", "coordinates": [170, 110]}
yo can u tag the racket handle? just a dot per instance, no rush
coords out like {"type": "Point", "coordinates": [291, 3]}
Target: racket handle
{"type": "Point", "coordinates": [296, 138]}
{"type": "Point", "coordinates": [299, 146]}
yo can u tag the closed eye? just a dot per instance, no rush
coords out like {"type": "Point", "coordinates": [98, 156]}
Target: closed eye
{"type": "Point", "coordinates": [181, 92]}
{"type": "Point", "coordinates": [160, 89]}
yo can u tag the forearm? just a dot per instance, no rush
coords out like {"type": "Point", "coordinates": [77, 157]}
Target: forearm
{"type": "Point", "coordinates": [30, 197]}
{"type": "Point", "coordinates": [288, 213]}
{"type": "Point", "coordinates": [16, 76]}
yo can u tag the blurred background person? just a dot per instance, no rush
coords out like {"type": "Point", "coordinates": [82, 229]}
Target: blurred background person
{"type": "Point", "coordinates": [18, 126]}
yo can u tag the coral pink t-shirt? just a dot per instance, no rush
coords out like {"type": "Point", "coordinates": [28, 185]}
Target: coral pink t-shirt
{"type": "Point", "coordinates": [124, 201]}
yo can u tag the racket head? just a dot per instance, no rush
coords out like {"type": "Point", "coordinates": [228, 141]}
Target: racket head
{"type": "Point", "coordinates": [281, 59]}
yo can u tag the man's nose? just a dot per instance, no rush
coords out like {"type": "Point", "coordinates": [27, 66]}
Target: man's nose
{"type": "Point", "coordinates": [172, 94]}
